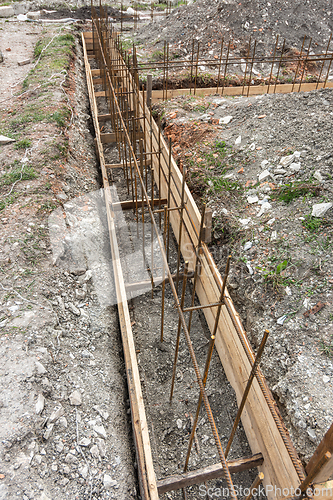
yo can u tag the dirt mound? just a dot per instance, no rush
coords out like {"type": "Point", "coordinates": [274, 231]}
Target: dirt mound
{"type": "Point", "coordinates": [82, 13]}
{"type": "Point", "coordinates": [206, 21]}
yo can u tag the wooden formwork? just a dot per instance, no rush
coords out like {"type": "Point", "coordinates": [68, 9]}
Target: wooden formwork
{"type": "Point", "coordinates": [261, 420]}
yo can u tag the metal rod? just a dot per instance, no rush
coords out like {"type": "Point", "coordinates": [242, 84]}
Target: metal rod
{"type": "Point", "coordinates": [225, 68]}
{"type": "Point", "coordinates": [280, 61]}
{"type": "Point", "coordinates": [252, 62]}
{"type": "Point", "coordinates": [322, 67]}
{"type": "Point", "coordinates": [169, 198]}
{"type": "Point", "coordinates": [254, 486]}
{"type": "Point", "coordinates": [297, 67]}
{"type": "Point", "coordinates": [208, 360]}
{"type": "Point", "coordinates": [182, 301]}
{"type": "Point", "coordinates": [247, 390]}
{"type": "Point", "coordinates": [247, 62]}
{"type": "Point", "coordinates": [196, 69]}
{"type": "Point", "coordinates": [271, 73]}
{"type": "Point", "coordinates": [300, 83]}
{"type": "Point", "coordinates": [181, 216]}
{"type": "Point", "coordinates": [163, 276]}
{"type": "Point", "coordinates": [219, 73]}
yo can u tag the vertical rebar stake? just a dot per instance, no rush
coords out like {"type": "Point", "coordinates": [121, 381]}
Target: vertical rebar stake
{"type": "Point", "coordinates": [271, 73]}
{"type": "Point", "coordinates": [181, 217]}
{"type": "Point", "coordinates": [182, 300]}
{"type": "Point", "coordinates": [322, 66]}
{"type": "Point", "coordinates": [163, 274]}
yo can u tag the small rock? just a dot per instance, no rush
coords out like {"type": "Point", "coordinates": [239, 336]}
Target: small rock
{"type": "Point", "coordinates": [63, 422]}
{"type": "Point", "coordinates": [263, 175]}
{"type": "Point", "coordinates": [326, 379]}
{"type": "Point", "coordinates": [40, 404]}
{"type": "Point", "coordinates": [85, 441]}
{"type": "Point", "coordinates": [295, 167]}
{"type": "Point", "coordinates": [252, 199]}
{"type": "Point", "coordinates": [274, 236]}
{"type": "Point", "coordinates": [66, 469]}
{"type": "Point", "coordinates": [311, 434]}
{"type": "Point", "coordinates": [100, 430]}
{"type": "Point", "coordinates": [70, 458]}
{"type": "Point", "coordinates": [5, 140]}
{"type": "Point", "coordinates": [38, 459]}
{"type": "Point", "coordinates": [83, 471]}
{"type": "Point", "coordinates": [80, 294]}
{"type": "Point", "coordinates": [179, 423]}
{"type": "Point", "coordinates": [75, 398]}
{"type": "Point", "coordinates": [249, 267]}
{"type": "Point", "coordinates": [48, 431]}
{"type": "Point", "coordinates": [247, 245]}
{"type": "Point", "coordinates": [288, 290]}
{"type": "Point", "coordinates": [101, 447]}
{"type": "Point", "coordinates": [73, 309]}
{"type": "Point", "coordinates": [264, 207]}
{"type": "Point", "coordinates": [94, 451]}
{"type": "Point", "coordinates": [225, 120]}
{"type": "Point", "coordinates": [40, 368]}
{"type": "Point", "coordinates": [264, 164]}
{"type": "Point", "coordinates": [88, 276]}
{"type": "Point", "coordinates": [279, 171]}
{"type": "Point", "coordinates": [238, 140]}
{"type": "Point", "coordinates": [44, 497]}
{"type": "Point", "coordinates": [23, 62]}
{"type": "Point", "coordinates": [57, 413]}
{"type": "Point", "coordinates": [320, 209]}
{"type": "Point", "coordinates": [64, 481]}
{"type": "Point", "coordinates": [282, 319]}
{"type": "Point", "coordinates": [54, 467]}
{"type": "Point", "coordinates": [109, 482]}
{"type": "Point", "coordinates": [60, 447]}
{"type": "Point", "coordinates": [103, 413]}
{"type": "Point", "coordinates": [317, 175]}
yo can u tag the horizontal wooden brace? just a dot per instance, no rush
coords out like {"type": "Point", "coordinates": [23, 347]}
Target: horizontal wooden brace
{"type": "Point", "coordinates": [127, 205]}
{"type": "Point", "coordinates": [108, 137]}
{"type": "Point", "coordinates": [211, 472]}
{"type": "Point", "coordinates": [122, 165]}
{"type": "Point", "coordinates": [141, 285]}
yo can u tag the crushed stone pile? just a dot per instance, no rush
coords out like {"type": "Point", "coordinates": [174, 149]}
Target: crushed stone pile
{"type": "Point", "coordinates": [206, 21]}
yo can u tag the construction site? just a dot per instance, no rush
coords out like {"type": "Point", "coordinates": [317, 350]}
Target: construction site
{"type": "Point", "coordinates": [166, 317]}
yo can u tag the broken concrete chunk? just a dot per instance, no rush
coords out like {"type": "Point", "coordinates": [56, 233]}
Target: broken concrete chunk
{"type": "Point", "coordinates": [85, 441]}
{"type": "Point", "coordinates": [75, 398]}
{"type": "Point", "coordinates": [6, 11]}
{"type": "Point", "coordinates": [48, 431]}
{"type": "Point", "coordinates": [73, 309]}
{"type": "Point", "coordinates": [40, 368]}
{"type": "Point", "coordinates": [225, 120]}
{"type": "Point", "coordinates": [40, 404]}
{"type": "Point", "coordinates": [94, 451]}
{"type": "Point", "coordinates": [70, 458]}
{"type": "Point", "coordinates": [317, 175]}
{"type": "Point", "coordinates": [264, 163]}
{"type": "Point", "coordinates": [238, 140]}
{"type": "Point", "coordinates": [108, 482]}
{"type": "Point", "coordinates": [320, 209]}
{"type": "Point", "coordinates": [57, 413]}
{"type": "Point", "coordinates": [83, 471]}
{"type": "Point", "coordinates": [263, 175]}
{"type": "Point", "coordinates": [4, 139]}
{"type": "Point", "coordinates": [100, 430]}
{"type": "Point", "coordinates": [101, 447]}
{"type": "Point", "coordinates": [33, 15]}
{"type": "Point", "coordinates": [295, 167]}
{"type": "Point", "coordinates": [23, 62]}
{"type": "Point", "coordinates": [252, 199]}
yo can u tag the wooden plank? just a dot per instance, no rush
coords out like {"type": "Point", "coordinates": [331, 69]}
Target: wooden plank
{"type": "Point", "coordinates": [207, 473]}
{"type": "Point", "coordinates": [109, 137]}
{"type": "Point", "coordinates": [104, 118]}
{"type": "Point", "coordinates": [325, 445]}
{"type": "Point", "coordinates": [285, 88]}
{"type": "Point", "coordinates": [100, 94]}
{"type": "Point", "coordinates": [323, 491]}
{"type": "Point", "coordinates": [147, 479]}
{"type": "Point", "coordinates": [121, 165]}
{"type": "Point", "coordinates": [127, 205]}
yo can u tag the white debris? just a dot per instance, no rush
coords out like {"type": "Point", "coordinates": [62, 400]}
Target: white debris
{"type": "Point", "coordinates": [326, 379]}
{"type": "Point", "coordinates": [57, 413]}
{"type": "Point", "coordinates": [311, 434]}
{"type": "Point", "coordinates": [317, 175]}
{"type": "Point", "coordinates": [40, 368]}
{"type": "Point", "coordinates": [75, 398]}
{"type": "Point", "coordinates": [40, 404]}
{"type": "Point", "coordinates": [225, 120]}
{"type": "Point", "coordinates": [247, 245]}
{"type": "Point", "coordinates": [5, 140]}
{"type": "Point", "coordinates": [264, 163]}
{"type": "Point", "coordinates": [274, 236]}
{"type": "Point", "coordinates": [288, 291]}
{"type": "Point", "coordinates": [238, 140]}
{"type": "Point", "coordinates": [264, 207]}
{"type": "Point", "coordinates": [252, 146]}
{"type": "Point", "coordinates": [264, 174]}
{"type": "Point", "coordinates": [245, 222]}
{"type": "Point", "coordinates": [252, 199]}
{"type": "Point", "coordinates": [295, 167]}
{"type": "Point", "coordinates": [282, 319]}
{"type": "Point", "coordinates": [248, 265]}
{"type": "Point", "coordinates": [320, 209]}
{"type": "Point", "coordinates": [179, 423]}
{"type": "Point", "coordinates": [130, 11]}
{"type": "Point", "coordinates": [306, 303]}
{"type": "Point", "coordinates": [108, 482]}
{"type": "Point", "coordinates": [287, 160]}
{"type": "Point", "coordinates": [100, 430]}
{"type": "Point", "coordinates": [225, 211]}
{"type": "Point", "coordinates": [271, 221]}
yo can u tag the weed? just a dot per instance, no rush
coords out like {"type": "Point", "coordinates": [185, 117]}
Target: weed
{"type": "Point", "coordinates": [9, 200]}
{"type": "Point", "coordinates": [273, 274]}
{"type": "Point", "coordinates": [158, 55]}
{"type": "Point", "coordinates": [313, 224]}
{"type": "Point", "coordinates": [327, 348]}
{"type": "Point", "coordinates": [60, 117]}
{"type": "Point", "coordinates": [18, 173]}
{"type": "Point", "coordinates": [23, 144]}
{"type": "Point", "coordinates": [291, 191]}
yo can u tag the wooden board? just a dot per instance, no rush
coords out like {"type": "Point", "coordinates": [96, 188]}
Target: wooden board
{"type": "Point", "coordinates": [325, 445]}
{"type": "Point", "coordinates": [285, 88]}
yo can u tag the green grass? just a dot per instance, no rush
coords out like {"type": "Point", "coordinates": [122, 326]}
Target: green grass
{"type": "Point", "coordinates": [9, 200]}
{"type": "Point", "coordinates": [313, 224]}
{"type": "Point", "coordinates": [28, 173]}
{"type": "Point", "coordinates": [23, 144]}
{"type": "Point", "coordinates": [327, 348]}
{"type": "Point", "coordinates": [222, 184]}
{"type": "Point", "coordinates": [294, 190]}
